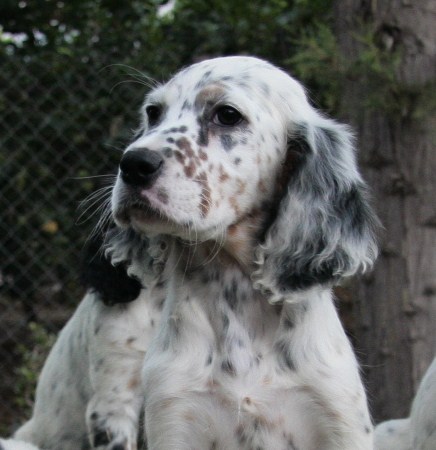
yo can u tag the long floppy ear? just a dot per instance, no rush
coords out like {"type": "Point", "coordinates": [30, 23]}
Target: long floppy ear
{"type": "Point", "coordinates": [324, 228]}
{"type": "Point", "coordinates": [110, 282]}
{"type": "Point", "coordinates": [117, 265]}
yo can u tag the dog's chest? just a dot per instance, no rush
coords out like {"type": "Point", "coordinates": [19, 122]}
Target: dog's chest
{"type": "Point", "coordinates": [222, 368]}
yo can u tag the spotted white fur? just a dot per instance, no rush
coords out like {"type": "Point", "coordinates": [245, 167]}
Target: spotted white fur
{"type": "Point", "coordinates": [89, 392]}
{"type": "Point", "coordinates": [13, 444]}
{"type": "Point", "coordinates": [263, 209]}
{"type": "Point", "coordinates": [418, 431]}
{"type": "Point", "coordinates": [260, 217]}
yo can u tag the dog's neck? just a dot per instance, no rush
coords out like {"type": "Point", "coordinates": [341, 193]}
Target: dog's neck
{"type": "Point", "coordinates": [234, 248]}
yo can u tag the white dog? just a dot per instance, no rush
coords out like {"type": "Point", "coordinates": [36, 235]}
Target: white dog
{"type": "Point", "coordinates": [89, 392]}
{"type": "Point", "coordinates": [418, 431]}
{"type": "Point", "coordinates": [13, 444]}
{"type": "Point", "coordinates": [263, 210]}
{"type": "Point", "coordinates": [252, 203]}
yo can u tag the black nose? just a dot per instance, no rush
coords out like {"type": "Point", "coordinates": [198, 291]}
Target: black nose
{"type": "Point", "coordinates": [140, 167]}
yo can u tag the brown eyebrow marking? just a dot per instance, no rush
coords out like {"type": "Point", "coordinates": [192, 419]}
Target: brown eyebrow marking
{"type": "Point", "coordinates": [209, 96]}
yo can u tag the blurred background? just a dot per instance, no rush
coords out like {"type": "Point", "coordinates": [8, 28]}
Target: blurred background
{"type": "Point", "coordinates": [72, 77]}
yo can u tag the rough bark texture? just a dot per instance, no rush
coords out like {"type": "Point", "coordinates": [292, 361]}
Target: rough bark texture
{"type": "Point", "coordinates": [396, 304]}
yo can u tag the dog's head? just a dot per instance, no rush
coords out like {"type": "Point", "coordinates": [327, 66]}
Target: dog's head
{"type": "Point", "coordinates": [232, 141]}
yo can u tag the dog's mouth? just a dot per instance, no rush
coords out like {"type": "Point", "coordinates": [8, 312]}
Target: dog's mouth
{"type": "Point", "coordinates": [138, 212]}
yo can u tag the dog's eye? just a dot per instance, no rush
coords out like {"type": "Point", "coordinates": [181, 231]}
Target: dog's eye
{"type": "Point", "coordinates": [153, 113]}
{"type": "Point", "coordinates": [227, 116]}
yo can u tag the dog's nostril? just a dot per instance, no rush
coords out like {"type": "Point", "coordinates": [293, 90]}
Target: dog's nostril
{"type": "Point", "coordinates": [140, 166]}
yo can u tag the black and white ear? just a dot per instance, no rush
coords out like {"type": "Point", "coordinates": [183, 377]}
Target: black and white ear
{"type": "Point", "coordinates": [119, 264]}
{"type": "Point", "coordinates": [143, 257]}
{"type": "Point", "coordinates": [324, 228]}
{"type": "Point", "coordinates": [107, 279]}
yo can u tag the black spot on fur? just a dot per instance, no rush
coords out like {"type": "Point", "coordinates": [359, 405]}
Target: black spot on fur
{"type": "Point", "coordinates": [291, 445]}
{"type": "Point", "coordinates": [101, 437]}
{"type": "Point", "coordinates": [288, 324]}
{"type": "Point", "coordinates": [119, 447]}
{"type": "Point", "coordinates": [228, 367]}
{"type": "Point", "coordinates": [203, 133]}
{"type": "Point", "coordinates": [168, 152]}
{"type": "Point", "coordinates": [187, 106]}
{"type": "Point", "coordinates": [204, 80]}
{"type": "Point", "coordinates": [231, 294]}
{"type": "Point", "coordinates": [226, 322]}
{"type": "Point", "coordinates": [241, 435]}
{"type": "Point", "coordinates": [111, 283]}
{"type": "Point", "coordinates": [283, 355]}
{"type": "Point", "coordinates": [227, 141]}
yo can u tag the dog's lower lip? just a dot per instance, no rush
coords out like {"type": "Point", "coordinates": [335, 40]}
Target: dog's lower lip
{"type": "Point", "coordinates": [137, 210]}
{"type": "Point", "coordinates": [145, 210]}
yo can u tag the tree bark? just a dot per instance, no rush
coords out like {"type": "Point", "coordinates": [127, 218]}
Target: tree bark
{"type": "Point", "coordinates": [395, 305]}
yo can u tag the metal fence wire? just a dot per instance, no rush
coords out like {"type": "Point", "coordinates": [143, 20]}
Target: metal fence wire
{"type": "Point", "coordinates": [61, 122]}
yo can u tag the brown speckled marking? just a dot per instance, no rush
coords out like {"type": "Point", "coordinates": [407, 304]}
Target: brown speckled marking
{"type": "Point", "coordinates": [188, 416]}
{"type": "Point", "coordinates": [223, 174]}
{"type": "Point", "coordinates": [232, 229]}
{"type": "Point", "coordinates": [190, 169]}
{"type": "Point", "coordinates": [180, 156]}
{"type": "Point", "coordinates": [205, 201]}
{"type": "Point", "coordinates": [202, 154]}
{"type": "Point", "coordinates": [241, 186]}
{"type": "Point", "coordinates": [133, 383]}
{"type": "Point", "coordinates": [209, 95]}
{"type": "Point", "coordinates": [185, 145]}
{"type": "Point", "coordinates": [261, 186]}
{"type": "Point", "coordinates": [162, 195]}
{"type": "Point", "coordinates": [234, 205]}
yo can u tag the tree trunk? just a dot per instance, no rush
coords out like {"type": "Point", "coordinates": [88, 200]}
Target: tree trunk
{"type": "Point", "coordinates": [396, 304]}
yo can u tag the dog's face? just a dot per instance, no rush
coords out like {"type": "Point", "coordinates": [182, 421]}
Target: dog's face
{"type": "Point", "coordinates": [232, 150]}
{"type": "Point", "coordinates": [210, 150]}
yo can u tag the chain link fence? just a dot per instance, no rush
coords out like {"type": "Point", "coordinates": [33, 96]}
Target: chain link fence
{"type": "Point", "coordinates": [62, 123]}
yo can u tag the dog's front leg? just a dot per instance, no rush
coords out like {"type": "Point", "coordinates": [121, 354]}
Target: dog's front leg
{"type": "Point", "coordinates": [118, 350]}
{"type": "Point", "coordinates": [315, 347]}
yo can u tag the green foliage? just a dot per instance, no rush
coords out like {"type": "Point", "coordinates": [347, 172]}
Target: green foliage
{"type": "Point", "coordinates": [32, 360]}
{"type": "Point", "coordinates": [318, 62]}
{"type": "Point", "coordinates": [135, 33]}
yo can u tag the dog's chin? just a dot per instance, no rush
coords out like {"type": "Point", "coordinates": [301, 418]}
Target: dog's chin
{"type": "Point", "coordinates": [145, 220]}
